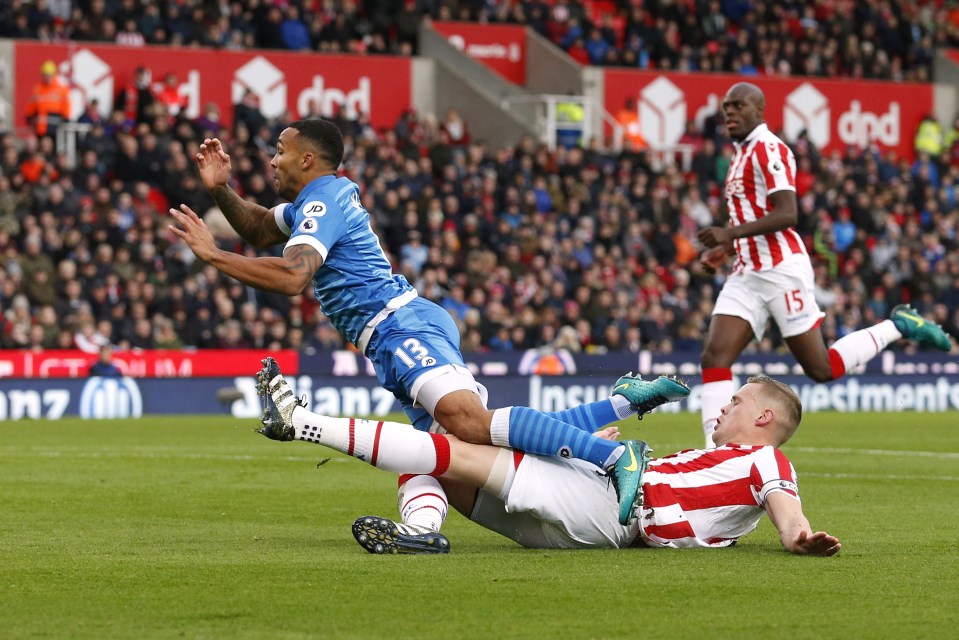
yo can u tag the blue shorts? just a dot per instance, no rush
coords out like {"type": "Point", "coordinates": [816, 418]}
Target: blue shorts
{"type": "Point", "coordinates": [412, 341]}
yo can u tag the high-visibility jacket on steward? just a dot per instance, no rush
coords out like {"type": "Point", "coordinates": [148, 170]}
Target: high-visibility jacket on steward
{"type": "Point", "coordinates": [49, 105]}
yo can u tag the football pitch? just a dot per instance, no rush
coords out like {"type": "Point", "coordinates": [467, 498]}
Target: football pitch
{"type": "Point", "coordinates": [198, 528]}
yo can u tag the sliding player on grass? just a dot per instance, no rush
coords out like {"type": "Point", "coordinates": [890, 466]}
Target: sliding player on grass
{"type": "Point", "coordinates": [694, 498]}
{"type": "Point", "coordinates": [412, 343]}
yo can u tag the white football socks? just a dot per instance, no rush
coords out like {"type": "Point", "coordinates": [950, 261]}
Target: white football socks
{"type": "Point", "coordinates": [716, 395]}
{"type": "Point", "coordinates": [422, 502]}
{"type": "Point", "coordinates": [391, 446]}
{"type": "Point", "coordinates": [859, 347]}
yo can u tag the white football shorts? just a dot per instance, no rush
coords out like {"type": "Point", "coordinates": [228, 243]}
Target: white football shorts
{"type": "Point", "coordinates": [785, 292]}
{"type": "Point", "coordinates": [555, 503]}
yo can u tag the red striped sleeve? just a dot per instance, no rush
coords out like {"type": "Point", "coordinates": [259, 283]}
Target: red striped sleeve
{"type": "Point", "coordinates": [784, 156]}
{"type": "Point", "coordinates": [785, 467]}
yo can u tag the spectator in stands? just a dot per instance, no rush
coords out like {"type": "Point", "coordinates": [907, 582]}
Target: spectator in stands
{"type": "Point", "coordinates": [929, 138]}
{"type": "Point", "coordinates": [622, 197]}
{"type": "Point", "coordinates": [246, 113]}
{"type": "Point", "coordinates": [49, 102]}
{"type": "Point", "coordinates": [104, 366]}
{"type": "Point", "coordinates": [270, 29]}
{"type": "Point", "coordinates": [208, 123]}
{"type": "Point", "coordinates": [170, 98]}
{"type": "Point", "coordinates": [456, 128]}
{"type": "Point", "coordinates": [136, 98]}
{"type": "Point", "coordinates": [628, 118]}
{"type": "Point", "coordinates": [293, 30]}
{"type": "Point", "coordinates": [129, 35]}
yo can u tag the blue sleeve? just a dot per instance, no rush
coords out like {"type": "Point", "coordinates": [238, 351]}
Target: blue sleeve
{"type": "Point", "coordinates": [319, 222]}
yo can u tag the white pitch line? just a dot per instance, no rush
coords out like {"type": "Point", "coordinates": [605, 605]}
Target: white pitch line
{"type": "Point", "coordinates": [876, 476]}
{"type": "Point", "coordinates": [167, 452]}
{"type": "Point", "coordinates": [946, 455]}
{"type": "Point", "coordinates": [152, 455]}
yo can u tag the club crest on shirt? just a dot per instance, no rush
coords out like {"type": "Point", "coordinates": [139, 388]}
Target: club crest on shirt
{"type": "Point", "coordinates": [307, 226]}
{"type": "Point", "coordinates": [314, 209]}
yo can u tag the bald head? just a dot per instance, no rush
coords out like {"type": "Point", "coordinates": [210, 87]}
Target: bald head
{"type": "Point", "coordinates": [750, 91]}
{"type": "Point", "coordinates": [743, 109]}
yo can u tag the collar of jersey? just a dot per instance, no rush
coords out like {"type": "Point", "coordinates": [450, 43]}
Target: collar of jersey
{"type": "Point", "coordinates": [318, 182]}
{"type": "Point", "coordinates": [760, 129]}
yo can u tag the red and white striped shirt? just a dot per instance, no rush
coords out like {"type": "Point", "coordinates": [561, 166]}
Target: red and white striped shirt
{"type": "Point", "coordinates": [711, 497]}
{"type": "Point", "coordinates": [763, 165]}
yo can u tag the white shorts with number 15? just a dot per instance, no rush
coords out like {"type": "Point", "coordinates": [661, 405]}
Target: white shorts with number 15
{"type": "Point", "coordinates": [784, 292]}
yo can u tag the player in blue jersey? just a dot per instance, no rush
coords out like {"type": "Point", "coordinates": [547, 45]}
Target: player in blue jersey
{"type": "Point", "coordinates": [412, 342]}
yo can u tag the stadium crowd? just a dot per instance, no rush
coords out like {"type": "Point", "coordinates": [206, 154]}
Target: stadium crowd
{"type": "Point", "coordinates": [874, 39]}
{"type": "Point", "coordinates": [578, 249]}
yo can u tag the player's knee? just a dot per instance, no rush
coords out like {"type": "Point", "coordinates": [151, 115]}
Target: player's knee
{"type": "Point", "coordinates": [819, 373]}
{"type": "Point", "coordinates": [474, 431]}
{"type": "Point", "coordinates": [464, 417]}
{"type": "Point", "coordinates": [713, 357]}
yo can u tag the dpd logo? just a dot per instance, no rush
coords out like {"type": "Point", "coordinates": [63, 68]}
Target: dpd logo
{"type": "Point", "coordinates": [266, 81]}
{"type": "Point", "coordinates": [90, 78]}
{"type": "Point", "coordinates": [662, 113]}
{"type": "Point", "coordinates": [807, 108]}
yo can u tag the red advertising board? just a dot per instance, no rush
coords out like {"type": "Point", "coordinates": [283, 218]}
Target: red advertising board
{"type": "Point", "coordinates": [298, 82]}
{"type": "Point", "coordinates": [835, 113]}
{"type": "Point", "coordinates": [145, 364]}
{"type": "Point", "coordinates": [502, 48]}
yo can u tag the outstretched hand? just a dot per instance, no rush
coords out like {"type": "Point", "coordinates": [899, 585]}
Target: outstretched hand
{"type": "Point", "coordinates": [712, 259]}
{"type": "Point", "coordinates": [609, 433]}
{"type": "Point", "coordinates": [194, 232]}
{"type": "Point", "coordinates": [214, 164]}
{"type": "Point", "coordinates": [819, 543]}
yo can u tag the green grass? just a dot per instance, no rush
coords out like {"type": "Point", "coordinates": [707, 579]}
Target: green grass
{"type": "Point", "coordinates": [198, 528]}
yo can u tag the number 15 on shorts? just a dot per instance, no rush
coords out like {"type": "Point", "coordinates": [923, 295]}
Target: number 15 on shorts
{"type": "Point", "coordinates": [794, 302]}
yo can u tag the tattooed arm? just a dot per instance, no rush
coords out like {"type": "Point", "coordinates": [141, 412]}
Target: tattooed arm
{"type": "Point", "coordinates": [288, 275]}
{"type": "Point", "coordinates": [254, 223]}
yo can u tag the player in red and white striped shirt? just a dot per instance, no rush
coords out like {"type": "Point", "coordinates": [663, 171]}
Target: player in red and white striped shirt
{"type": "Point", "coordinates": [711, 497]}
{"type": "Point", "coordinates": [772, 276]}
{"type": "Point", "coordinates": [695, 498]}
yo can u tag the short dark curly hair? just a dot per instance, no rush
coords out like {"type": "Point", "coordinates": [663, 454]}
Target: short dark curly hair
{"type": "Point", "coordinates": [325, 136]}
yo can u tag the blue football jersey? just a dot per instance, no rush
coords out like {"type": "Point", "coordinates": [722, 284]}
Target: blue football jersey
{"type": "Point", "coordinates": [356, 280]}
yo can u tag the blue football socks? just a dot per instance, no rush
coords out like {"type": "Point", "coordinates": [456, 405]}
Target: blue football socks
{"type": "Point", "coordinates": [535, 432]}
{"type": "Point", "coordinates": [590, 417]}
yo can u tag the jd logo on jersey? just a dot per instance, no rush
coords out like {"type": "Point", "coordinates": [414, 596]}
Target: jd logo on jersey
{"type": "Point", "coordinates": [314, 209]}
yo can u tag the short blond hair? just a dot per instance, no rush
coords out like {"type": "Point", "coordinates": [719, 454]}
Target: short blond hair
{"type": "Point", "coordinates": [783, 395]}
